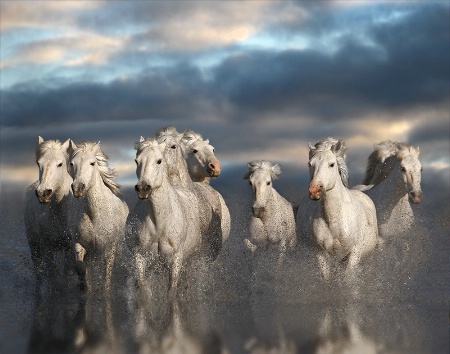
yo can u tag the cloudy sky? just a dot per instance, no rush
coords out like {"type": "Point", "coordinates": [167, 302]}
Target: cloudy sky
{"type": "Point", "coordinates": [260, 79]}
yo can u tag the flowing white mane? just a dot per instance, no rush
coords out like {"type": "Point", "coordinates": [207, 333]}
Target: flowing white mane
{"type": "Point", "coordinates": [253, 166]}
{"type": "Point", "coordinates": [382, 151]}
{"type": "Point", "coordinates": [164, 133]}
{"type": "Point", "coordinates": [108, 174]}
{"type": "Point", "coordinates": [329, 144]}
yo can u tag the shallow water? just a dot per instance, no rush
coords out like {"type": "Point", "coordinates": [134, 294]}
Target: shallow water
{"type": "Point", "coordinates": [239, 304]}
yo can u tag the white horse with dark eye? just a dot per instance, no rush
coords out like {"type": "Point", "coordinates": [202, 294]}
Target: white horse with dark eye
{"type": "Point", "coordinates": [273, 221]}
{"type": "Point", "coordinates": [101, 215]}
{"type": "Point", "coordinates": [343, 223]}
{"type": "Point", "coordinates": [392, 180]}
{"type": "Point", "coordinates": [204, 165]}
{"type": "Point", "coordinates": [47, 209]}
{"type": "Point", "coordinates": [165, 223]}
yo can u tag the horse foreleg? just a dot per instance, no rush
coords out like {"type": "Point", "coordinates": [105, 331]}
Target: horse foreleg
{"type": "Point", "coordinates": [109, 267]}
{"type": "Point", "coordinates": [353, 260]}
{"type": "Point", "coordinates": [175, 273]}
{"type": "Point", "coordinates": [140, 264]}
{"type": "Point", "coordinates": [323, 259]}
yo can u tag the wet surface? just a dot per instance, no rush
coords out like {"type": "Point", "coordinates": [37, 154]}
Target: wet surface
{"type": "Point", "coordinates": [239, 304]}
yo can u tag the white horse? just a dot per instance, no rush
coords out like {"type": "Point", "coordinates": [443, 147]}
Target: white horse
{"type": "Point", "coordinates": [47, 208]}
{"type": "Point", "coordinates": [273, 221]}
{"type": "Point", "coordinates": [204, 165]}
{"type": "Point", "coordinates": [343, 223]}
{"type": "Point", "coordinates": [393, 179]}
{"type": "Point", "coordinates": [165, 223]}
{"type": "Point", "coordinates": [101, 214]}
{"type": "Point", "coordinates": [209, 206]}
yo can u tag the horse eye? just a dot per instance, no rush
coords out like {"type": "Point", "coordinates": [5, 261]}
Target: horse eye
{"type": "Point", "coordinates": [214, 150]}
{"type": "Point", "coordinates": [194, 151]}
{"type": "Point", "coordinates": [331, 164]}
{"type": "Point", "coordinates": [159, 162]}
{"type": "Point", "coordinates": [173, 147]}
{"type": "Point", "coordinates": [268, 183]}
{"type": "Point", "coordinates": [135, 160]}
{"type": "Point", "coordinates": [250, 183]}
{"type": "Point", "coordinates": [71, 164]}
{"type": "Point", "coordinates": [60, 164]}
{"type": "Point", "coordinates": [309, 165]}
{"type": "Point", "coordinates": [92, 163]}
{"type": "Point", "coordinates": [403, 169]}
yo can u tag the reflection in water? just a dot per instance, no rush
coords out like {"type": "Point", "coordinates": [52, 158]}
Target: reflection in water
{"type": "Point", "coordinates": [242, 305]}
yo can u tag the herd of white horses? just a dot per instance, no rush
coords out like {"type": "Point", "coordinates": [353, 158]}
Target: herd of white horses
{"type": "Point", "coordinates": [76, 221]}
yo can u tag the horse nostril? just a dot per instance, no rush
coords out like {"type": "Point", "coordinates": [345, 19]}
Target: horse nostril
{"type": "Point", "coordinates": [136, 188]}
{"type": "Point", "coordinates": [47, 193]}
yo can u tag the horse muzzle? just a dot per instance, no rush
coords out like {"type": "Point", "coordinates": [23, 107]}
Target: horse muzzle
{"type": "Point", "coordinates": [143, 190]}
{"type": "Point", "coordinates": [315, 191]}
{"type": "Point", "coordinates": [415, 196]}
{"type": "Point", "coordinates": [44, 197]}
{"type": "Point", "coordinates": [258, 212]}
{"type": "Point", "coordinates": [214, 168]}
{"type": "Point", "coordinates": [79, 190]}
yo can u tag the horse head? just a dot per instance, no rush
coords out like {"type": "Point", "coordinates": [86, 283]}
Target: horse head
{"type": "Point", "coordinates": [52, 160]}
{"type": "Point", "coordinates": [84, 164]}
{"type": "Point", "coordinates": [260, 177]}
{"type": "Point", "coordinates": [326, 166]}
{"type": "Point", "coordinates": [202, 162]}
{"type": "Point", "coordinates": [150, 167]}
{"type": "Point", "coordinates": [411, 170]}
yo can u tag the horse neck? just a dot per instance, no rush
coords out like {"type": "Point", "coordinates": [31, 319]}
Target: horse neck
{"type": "Point", "coordinates": [64, 189]}
{"type": "Point", "coordinates": [334, 200]}
{"type": "Point", "coordinates": [161, 199]}
{"type": "Point", "coordinates": [99, 195]}
{"type": "Point", "coordinates": [392, 188]}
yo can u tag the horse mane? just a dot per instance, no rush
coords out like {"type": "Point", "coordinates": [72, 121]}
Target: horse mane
{"type": "Point", "coordinates": [48, 145]}
{"type": "Point", "coordinates": [164, 133]}
{"type": "Point", "coordinates": [381, 152]}
{"type": "Point", "coordinates": [404, 150]}
{"type": "Point", "coordinates": [189, 136]}
{"type": "Point", "coordinates": [329, 144]}
{"type": "Point", "coordinates": [263, 165]}
{"type": "Point", "coordinates": [108, 174]}
{"type": "Point", "coordinates": [141, 145]}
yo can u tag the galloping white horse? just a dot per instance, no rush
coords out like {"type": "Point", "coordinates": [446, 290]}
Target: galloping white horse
{"type": "Point", "coordinates": [344, 221]}
{"type": "Point", "coordinates": [47, 208]}
{"type": "Point", "coordinates": [208, 203]}
{"type": "Point", "coordinates": [393, 178]}
{"type": "Point", "coordinates": [101, 214]}
{"type": "Point", "coordinates": [166, 225]}
{"type": "Point", "coordinates": [273, 221]}
{"type": "Point", "coordinates": [204, 165]}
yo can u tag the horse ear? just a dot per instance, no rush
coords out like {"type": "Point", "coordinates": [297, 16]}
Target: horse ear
{"type": "Point", "coordinates": [276, 169]}
{"type": "Point", "coordinates": [40, 140]}
{"type": "Point", "coordinates": [340, 145]}
{"type": "Point", "coordinates": [418, 150]}
{"type": "Point", "coordinates": [66, 144]}
{"type": "Point", "coordinates": [141, 139]}
{"type": "Point", "coordinates": [72, 145]}
{"type": "Point", "coordinates": [311, 146]}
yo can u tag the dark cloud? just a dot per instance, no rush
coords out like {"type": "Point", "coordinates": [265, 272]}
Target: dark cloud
{"type": "Point", "coordinates": [407, 67]}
